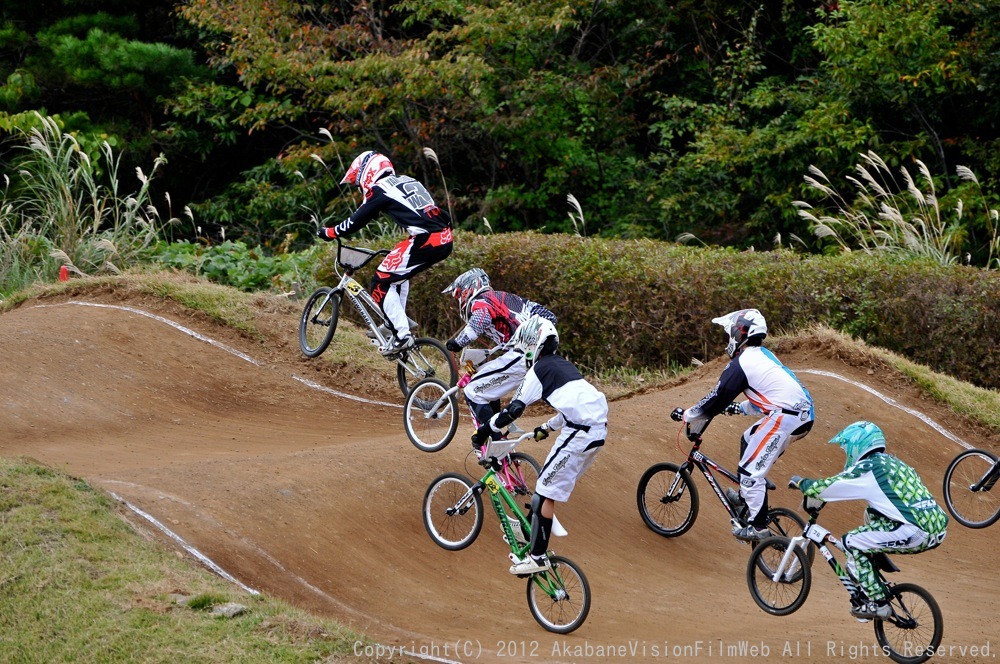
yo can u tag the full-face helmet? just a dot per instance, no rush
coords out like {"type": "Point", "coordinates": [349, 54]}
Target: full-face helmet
{"type": "Point", "coordinates": [467, 286]}
{"type": "Point", "coordinates": [531, 335]}
{"type": "Point", "coordinates": [741, 326]}
{"type": "Point", "coordinates": [859, 439]}
{"type": "Point", "coordinates": [366, 169]}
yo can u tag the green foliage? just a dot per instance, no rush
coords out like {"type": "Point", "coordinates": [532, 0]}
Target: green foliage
{"type": "Point", "coordinates": [902, 216]}
{"type": "Point", "coordinates": [643, 304]}
{"type": "Point", "coordinates": [235, 264]}
{"type": "Point", "coordinates": [58, 211]}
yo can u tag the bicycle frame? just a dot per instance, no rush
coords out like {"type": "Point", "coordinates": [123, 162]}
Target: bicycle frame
{"type": "Point", "coordinates": [821, 537]}
{"type": "Point", "coordinates": [988, 480]}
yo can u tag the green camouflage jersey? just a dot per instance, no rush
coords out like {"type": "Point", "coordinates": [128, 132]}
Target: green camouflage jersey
{"type": "Point", "coordinates": [891, 488]}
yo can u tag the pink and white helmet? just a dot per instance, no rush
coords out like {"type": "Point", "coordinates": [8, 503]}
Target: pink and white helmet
{"type": "Point", "coordinates": [366, 169]}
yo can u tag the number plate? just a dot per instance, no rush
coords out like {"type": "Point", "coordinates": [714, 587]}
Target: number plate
{"type": "Point", "coordinates": [354, 287]}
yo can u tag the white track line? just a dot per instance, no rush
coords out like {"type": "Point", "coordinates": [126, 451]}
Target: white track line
{"type": "Point", "coordinates": [892, 402]}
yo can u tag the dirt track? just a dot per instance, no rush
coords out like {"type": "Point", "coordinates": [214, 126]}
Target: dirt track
{"type": "Point", "coordinates": [316, 498]}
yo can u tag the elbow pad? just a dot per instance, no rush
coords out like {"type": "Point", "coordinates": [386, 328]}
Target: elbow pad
{"type": "Point", "coordinates": [513, 411]}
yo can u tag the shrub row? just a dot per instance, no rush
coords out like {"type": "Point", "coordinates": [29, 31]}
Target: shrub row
{"type": "Point", "coordinates": [641, 303]}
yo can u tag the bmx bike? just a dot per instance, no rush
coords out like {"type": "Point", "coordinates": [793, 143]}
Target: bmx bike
{"type": "Point", "coordinates": [558, 597]}
{"type": "Point", "coordinates": [668, 498]}
{"type": "Point", "coordinates": [779, 578]}
{"type": "Point", "coordinates": [427, 358]}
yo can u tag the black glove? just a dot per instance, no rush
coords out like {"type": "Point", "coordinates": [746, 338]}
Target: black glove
{"type": "Point", "coordinates": [322, 233]}
{"type": "Point", "coordinates": [793, 482]}
{"type": "Point", "coordinates": [677, 414]}
{"type": "Point", "coordinates": [481, 436]}
{"type": "Point", "coordinates": [452, 346]}
{"type": "Point", "coordinates": [733, 409]}
{"type": "Point", "coordinates": [541, 433]}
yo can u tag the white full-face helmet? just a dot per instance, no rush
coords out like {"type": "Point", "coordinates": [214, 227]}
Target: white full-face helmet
{"type": "Point", "coordinates": [366, 169]}
{"type": "Point", "coordinates": [467, 286]}
{"type": "Point", "coordinates": [531, 335]}
{"type": "Point", "coordinates": [741, 326]}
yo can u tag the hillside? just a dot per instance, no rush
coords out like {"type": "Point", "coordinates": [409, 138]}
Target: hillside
{"type": "Point", "coordinates": [316, 498]}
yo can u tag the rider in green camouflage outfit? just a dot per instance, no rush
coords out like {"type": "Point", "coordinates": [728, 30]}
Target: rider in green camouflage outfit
{"type": "Point", "coordinates": [902, 515]}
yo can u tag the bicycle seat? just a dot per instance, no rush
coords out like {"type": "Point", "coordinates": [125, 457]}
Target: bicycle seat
{"type": "Point", "coordinates": [770, 484]}
{"type": "Point", "coordinates": [882, 562]}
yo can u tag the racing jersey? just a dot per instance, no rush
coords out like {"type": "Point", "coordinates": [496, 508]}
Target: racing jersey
{"type": "Point", "coordinates": [767, 383]}
{"type": "Point", "coordinates": [497, 314]}
{"type": "Point", "coordinates": [889, 486]}
{"type": "Point", "coordinates": [405, 200]}
{"type": "Point", "coordinates": [556, 380]}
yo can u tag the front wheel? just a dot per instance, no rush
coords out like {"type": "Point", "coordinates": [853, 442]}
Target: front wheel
{"type": "Point", "coordinates": [427, 359]}
{"type": "Point", "coordinates": [788, 593]}
{"type": "Point", "coordinates": [559, 598]}
{"type": "Point", "coordinates": [783, 522]}
{"type": "Point", "coordinates": [969, 484]}
{"type": "Point", "coordinates": [430, 415]}
{"type": "Point", "coordinates": [453, 511]}
{"type": "Point", "coordinates": [913, 633]}
{"type": "Point", "coordinates": [319, 321]}
{"type": "Point", "coordinates": [668, 500]}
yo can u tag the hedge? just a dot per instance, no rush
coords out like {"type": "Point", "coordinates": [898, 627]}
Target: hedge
{"type": "Point", "coordinates": [648, 304]}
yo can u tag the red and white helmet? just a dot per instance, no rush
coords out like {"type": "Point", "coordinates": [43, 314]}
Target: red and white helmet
{"type": "Point", "coordinates": [366, 169]}
{"type": "Point", "coordinates": [740, 326]}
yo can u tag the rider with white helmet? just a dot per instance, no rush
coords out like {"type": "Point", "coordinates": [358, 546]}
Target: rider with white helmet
{"type": "Point", "coordinates": [581, 415]}
{"type": "Point", "coordinates": [410, 205]}
{"type": "Point", "coordinates": [773, 393]}
{"type": "Point", "coordinates": [902, 515]}
{"type": "Point", "coordinates": [494, 315]}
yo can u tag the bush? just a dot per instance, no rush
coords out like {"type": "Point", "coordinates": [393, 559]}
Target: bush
{"type": "Point", "coordinates": [641, 303]}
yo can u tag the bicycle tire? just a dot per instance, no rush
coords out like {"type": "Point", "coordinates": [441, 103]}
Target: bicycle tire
{"type": "Point", "coordinates": [319, 321]}
{"type": "Point", "coordinates": [427, 359]}
{"type": "Point", "coordinates": [784, 522]}
{"type": "Point", "coordinates": [430, 433]}
{"type": "Point", "coordinates": [977, 509]}
{"type": "Point", "coordinates": [559, 598]}
{"type": "Point", "coordinates": [913, 634]}
{"type": "Point", "coordinates": [667, 515]}
{"type": "Point", "coordinates": [452, 531]}
{"type": "Point", "coordinates": [789, 593]}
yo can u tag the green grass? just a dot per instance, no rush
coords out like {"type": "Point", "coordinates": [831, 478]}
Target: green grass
{"type": "Point", "coordinates": [77, 583]}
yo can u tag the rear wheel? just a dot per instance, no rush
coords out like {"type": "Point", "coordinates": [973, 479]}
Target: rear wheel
{"type": "Point", "coordinates": [789, 592]}
{"type": "Point", "coordinates": [430, 418]}
{"type": "Point", "coordinates": [453, 511]}
{"type": "Point", "coordinates": [427, 359]}
{"type": "Point", "coordinates": [319, 321]}
{"type": "Point", "coordinates": [559, 598]}
{"type": "Point", "coordinates": [970, 491]}
{"type": "Point", "coordinates": [668, 500]}
{"type": "Point", "coordinates": [913, 633]}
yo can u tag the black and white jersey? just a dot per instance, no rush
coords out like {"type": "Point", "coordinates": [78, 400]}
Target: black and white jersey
{"type": "Point", "coordinates": [404, 199]}
{"type": "Point", "coordinates": [556, 380]}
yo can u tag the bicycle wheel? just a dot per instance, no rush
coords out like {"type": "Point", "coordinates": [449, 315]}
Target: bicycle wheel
{"type": "Point", "coordinates": [453, 512]}
{"type": "Point", "coordinates": [913, 633]}
{"type": "Point", "coordinates": [427, 359]}
{"type": "Point", "coordinates": [973, 502]}
{"type": "Point", "coordinates": [559, 598]}
{"type": "Point", "coordinates": [429, 418]}
{"type": "Point", "coordinates": [783, 522]}
{"type": "Point", "coordinates": [319, 321]}
{"type": "Point", "coordinates": [789, 592]}
{"type": "Point", "coordinates": [668, 500]}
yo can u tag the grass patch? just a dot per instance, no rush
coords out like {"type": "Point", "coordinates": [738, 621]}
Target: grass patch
{"type": "Point", "coordinates": [77, 583]}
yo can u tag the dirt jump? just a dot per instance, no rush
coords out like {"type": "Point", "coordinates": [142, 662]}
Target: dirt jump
{"type": "Point", "coordinates": [314, 495]}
